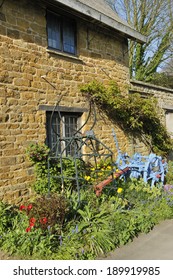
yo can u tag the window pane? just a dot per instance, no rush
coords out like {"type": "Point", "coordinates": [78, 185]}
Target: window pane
{"type": "Point", "coordinates": [60, 131]}
{"type": "Point", "coordinates": [54, 31]}
{"type": "Point", "coordinates": [70, 129]}
{"type": "Point", "coordinates": [53, 132]}
{"type": "Point", "coordinates": [69, 37]}
{"type": "Point", "coordinates": [70, 125]}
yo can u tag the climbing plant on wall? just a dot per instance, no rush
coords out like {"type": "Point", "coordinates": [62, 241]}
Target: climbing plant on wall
{"type": "Point", "coordinates": [138, 116]}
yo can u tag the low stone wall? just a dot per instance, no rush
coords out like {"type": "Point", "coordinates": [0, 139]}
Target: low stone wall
{"type": "Point", "coordinates": [164, 98]}
{"type": "Point", "coordinates": [163, 95]}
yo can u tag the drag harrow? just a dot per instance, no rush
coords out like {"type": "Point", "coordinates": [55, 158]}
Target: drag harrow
{"type": "Point", "coordinates": [151, 168]}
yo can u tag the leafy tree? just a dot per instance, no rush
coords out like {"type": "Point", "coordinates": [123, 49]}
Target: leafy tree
{"type": "Point", "coordinates": [163, 79]}
{"type": "Point", "coordinates": [168, 67]}
{"type": "Point", "coordinates": [154, 19]}
{"type": "Point", "coordinates": [165, 76]}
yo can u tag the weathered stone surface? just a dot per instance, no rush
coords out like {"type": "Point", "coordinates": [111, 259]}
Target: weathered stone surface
{"type": "Point", "coordinates": [13, 33]}
{"type": "Point", "coordinates": [2, 17]}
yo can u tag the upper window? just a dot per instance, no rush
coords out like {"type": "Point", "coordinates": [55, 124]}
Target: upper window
{"type": "Point", "coordinates": [61, 33]}
{"type": "Point", "coordinates": [60, 130]}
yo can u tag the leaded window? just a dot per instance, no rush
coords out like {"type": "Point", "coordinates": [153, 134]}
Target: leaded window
{"type": "Point", "coordinates": [60, 130]}
{"type": "Point", "coordinates": [61, 32]}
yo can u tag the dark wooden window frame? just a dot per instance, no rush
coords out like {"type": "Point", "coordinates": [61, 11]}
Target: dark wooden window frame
{"type": "Point", "coordinates": [61, 125]}
{"type": "Point", "coordinates": [61, 33]}
{"type": "Point", "coordinates": [61, 112]}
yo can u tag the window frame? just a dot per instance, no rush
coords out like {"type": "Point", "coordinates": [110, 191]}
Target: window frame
{"type": "Point", "coordinates": [61, 129]}
{"type": "Point", "coordinates": [72, 24]}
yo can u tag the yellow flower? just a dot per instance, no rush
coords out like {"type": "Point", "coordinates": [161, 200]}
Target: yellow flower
{"type": "Point", "coordinates": [109, 167]}
{"type": "Point", "coordinates": [119, 190]}
{"type": "Point", "coordinates": [87, 178]}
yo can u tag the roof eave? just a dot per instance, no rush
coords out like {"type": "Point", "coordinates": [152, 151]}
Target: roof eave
{"type": "Point", "coordinates": [126, 30]}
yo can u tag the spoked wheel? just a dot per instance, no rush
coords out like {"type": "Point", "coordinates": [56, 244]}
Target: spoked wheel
{"type": "Point", "coordinates": [154, 170]}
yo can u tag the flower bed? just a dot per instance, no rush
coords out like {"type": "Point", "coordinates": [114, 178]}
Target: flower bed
{"type": "Point", "coordinates": [58, 227]}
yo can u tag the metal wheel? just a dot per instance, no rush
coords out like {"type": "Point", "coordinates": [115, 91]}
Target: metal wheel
{"type": "Point", "coordinates": [154, 171]}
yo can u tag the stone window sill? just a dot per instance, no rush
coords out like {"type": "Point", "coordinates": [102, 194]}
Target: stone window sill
{"type": "Point", "coordinates": [62, 109]}
{"type": "Point", "coordinates": [65, 55]}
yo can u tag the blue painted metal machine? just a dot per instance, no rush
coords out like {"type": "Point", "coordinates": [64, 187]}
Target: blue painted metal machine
{"type": "Point", "coordinates": [151, 168]}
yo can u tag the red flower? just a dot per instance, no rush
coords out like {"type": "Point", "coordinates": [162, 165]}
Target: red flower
{"type": "Point", "coordinates": [22, 207]}
{"type": "Point", "coordinates": [31, 225]}
{"type": "Point", "coordinates": [32, 222]}
{"type": "Point", "coordinates": [29, 207]}
{"type": "Point", "coordinates": [43, 221]}
{"type": "Point", "coordinates": [28, 229]}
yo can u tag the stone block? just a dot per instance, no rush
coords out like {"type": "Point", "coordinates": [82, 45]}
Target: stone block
{"type": "Point", "coordinates": [2, 16]}
{"type": "Point", "coordinates": [11, 19]}
{"type": "Point", "coordinates": [21, 82]}
{"type": "Point", "coordinates": [4, 77]}
{"type": "Point", "coordinates": [13, 33]}
{"type": "Point", "coordinates": [7, 161]}
{"type": "Point", "coordinates": [3, 30]}
{"type": "Point", "coordinates": [12, 102]}
{"type": "Point", "coordinates": [23, 24]}
{"type": "Point", "coordinates": [37, 29]}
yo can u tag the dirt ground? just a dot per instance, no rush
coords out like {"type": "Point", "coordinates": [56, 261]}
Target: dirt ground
{"type": "Point", "coordinates": [5, 256]}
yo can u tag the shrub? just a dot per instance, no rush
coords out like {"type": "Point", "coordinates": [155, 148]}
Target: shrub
{"type": "Point", "coordinates": [52, 174]}
{"type": "Point", "coordinates": [169, 174]}
{"type": "Point", "coordinates": [46, 213]}
{"type": "Point", "coordinates": [137, 116]}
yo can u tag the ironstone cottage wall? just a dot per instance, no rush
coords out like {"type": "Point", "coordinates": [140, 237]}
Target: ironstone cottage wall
{"type": "Point", "coordinates": [24, 59]}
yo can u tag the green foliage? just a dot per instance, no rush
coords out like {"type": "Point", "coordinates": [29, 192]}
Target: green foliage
{"type": "Point", "coordinates": [96, 234]}
{"type": "Point", "coordinates": [137, 192]}
{"type": "Point", "coordinates": [136, 115]}
{"type": "Point", "coordinates": [169, 174]}
{"type": "Point", "coordinates": [7, 214]}
{"type": "Point", "coordinates": [148, 205]}
{"type": "Point", "coordinates": [26, 244]}
{"type": "Point", "coordinates": [51, 177]}
{"type": "Point", "coordinates": [60, 227]}
{"type": "Point", "coordinates": [162, 79]}
{"type": "Point", "coordinates": [98, 172]}
{"type": "Point", "coordinates": [35, 228]}
{"type": "Point", "coordinates": [147, 17]}
{"type": "Point", "coordinates": [37, 152]}
{"type": "Point", "coordinates": [46, 212]}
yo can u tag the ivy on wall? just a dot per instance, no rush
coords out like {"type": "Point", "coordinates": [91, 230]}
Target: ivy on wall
{"type": "Point", "coordinates": [137, 116]}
